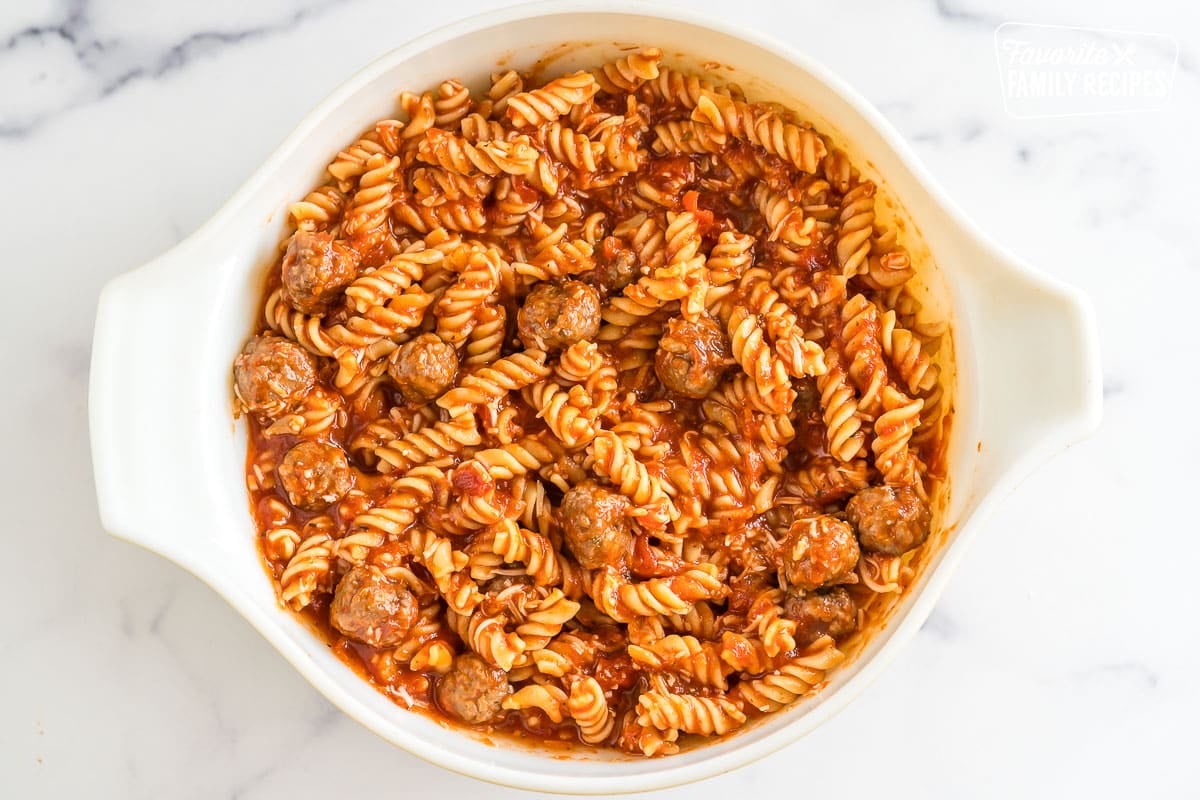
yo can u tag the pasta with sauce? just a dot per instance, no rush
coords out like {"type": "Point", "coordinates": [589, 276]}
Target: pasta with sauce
{"type": "Point", "coordinates": [596, 411]}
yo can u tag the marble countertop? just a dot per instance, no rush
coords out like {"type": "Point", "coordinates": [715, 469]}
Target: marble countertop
{"type": "Point", "coordinates": [1061, 661]}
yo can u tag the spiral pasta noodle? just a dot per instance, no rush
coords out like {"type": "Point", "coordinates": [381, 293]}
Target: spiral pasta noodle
{"type": "Point", "coordinates": [765, 368]}
{"type": "Point", "coordinates": [320, 209]}
{"type": "Point", "coordinates": [486, 635]}
{"type": "Point", "coordinates": [855, 223]}
{"type": "Point", "coordinates": [861, 332]}
{"type": "Point", "coordinates": [549, 699]}
{"type": "Point", "coordinates": [458, 309]}
{"type": "Point", "coordinates": [628, 73]}
{"type": "Point", "coordinates": [390, 280]}
{"type": "Point", "coordinates": [428, 444]}
{"type": "Point", "coordinates": [623, 601]}
{"type": "Point", "coordinates": [588, 707]}
{"type": "Point", "coordinates": [797, 677]}
{"type": "Point", "coordinates": [893, 429]}
{"type": "Point", "coordinates": [368, 211]}
{"type": "Point", "coordinates": [686, 713]}
{"type": "Point", "coordinates": [609, 408]}
{"type": "Point", "coordinates": [556, 98]}
{"type": "Point", "coordinates": [516, 544]}
{"type": "Point", "coordinates": [700, 661]}
{"type": "Point", "coordinates": [841, 413]}
{"type": "Point", "coordinates": [502, 376]}
{"type": "Point", "coordinates": [612, 459]}
{"type": "Point", "coordinates": [802, 147]}
{"type": "Point", "coordinates": [351, 163]}
{"type": "Point", "coordinates": [307, 569]}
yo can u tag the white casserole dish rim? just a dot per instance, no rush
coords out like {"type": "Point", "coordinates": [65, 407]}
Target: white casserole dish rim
{"type": "Point", "coordinates": [126, 438]}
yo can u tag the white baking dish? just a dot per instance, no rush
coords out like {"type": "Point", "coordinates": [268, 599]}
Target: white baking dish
{"type": "Point", "coordinates": [169, 459]}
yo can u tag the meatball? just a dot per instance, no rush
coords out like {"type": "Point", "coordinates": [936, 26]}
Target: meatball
{"type": "Point", "coordinates": [423, 368]}
{"type": "Point", "coordinates": [818, 551]}
{"type": "Point", "coordinates": [596, 526]}
{"type": "Point", "coordinates": [890, 519]}
{"type": "Point", "coordinates": [555, 316]}
{"type": "Point", "coordinates": [831, 613]}
{"type": "Point", "coordinates": [271, 376]}
{"type": "Point", "coordinates": [616, 271]}
{"type": "Point", "coordinates": [692, 356]}
{"type": "Point", "coordinates": [316, 269]}
{"type": "Point", "coordinates": [315, 475]}
{"type": "Point", "coordinates": [472, 690]}
{"type": "Point", "coordinates": [371, 609]}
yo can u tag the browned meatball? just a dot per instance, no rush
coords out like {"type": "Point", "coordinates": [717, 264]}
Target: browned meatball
{"type": "Point", "coordinates": [315, 475]}
{"type": "Point", "coordinates": [596, 526]}
{"type": "Point", "coordinates": [818, 551]}
{"type": "Point", "coordinates": [616, 268]}
{"type": "Point", "coordinates": [271, 376]}
{"type": "Point", "coordinates": [830, 613]}
{"type": "Point", "coordinates": [423, 368]}
{"type": "Point", "coordinates": [316, 269]}
{"type": "Point", "coordinates": [555, 316]}
{"type": "Point", "coordinates": [692, 356]}
{"type": "Point", "coordinates": [890, 520]}
{"type": "Point", "coordinates": [472, 690]}
{"type": "Point", "coordinates": [371, 609]}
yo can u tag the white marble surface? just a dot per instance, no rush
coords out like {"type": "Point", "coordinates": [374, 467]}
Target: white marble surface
{"type": "Point", "coordinates": [1061, 661]}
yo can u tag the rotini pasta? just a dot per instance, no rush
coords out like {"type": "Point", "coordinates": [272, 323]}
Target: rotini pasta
{"type": "Point", "coordinates": [590, 710]}
{"type": "Point", "coordinates": [764, 366]}
{"type": "Point", "coordinates": [604, 409]}
{"type": "Point", "coordinates": [687, 713]}
{"type": "Point", "coordinates": [428, 444]}
{"type": "Point", "coordinates": [624, 601]}
{"type": "Point", "coordinates": [612, 459]}
{"type": "Point", "coordinates": [854, 228]}
{"type": "Point", "coordinates": [549, 699]}
{"type": "Point", "coordinates": [534, 108]}
{"type": "Point", "coordinates": [700, 661]}
{"type": "Point", "coordinates": [797, 677]}
{"type": "Point", "coordinates": [628, 73]}
{"type": "Point", "coordinates": [492, 382]}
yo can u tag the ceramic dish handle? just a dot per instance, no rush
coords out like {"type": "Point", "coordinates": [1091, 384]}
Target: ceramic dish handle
{"type": "Point", "coordinates": [143, 410]}
{"type": "Point", "coordinates": [1041, 390]}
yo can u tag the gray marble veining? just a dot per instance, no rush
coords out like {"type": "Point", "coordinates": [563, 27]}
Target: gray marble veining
{"type": "Point", "coordinates": [1061, 660]}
